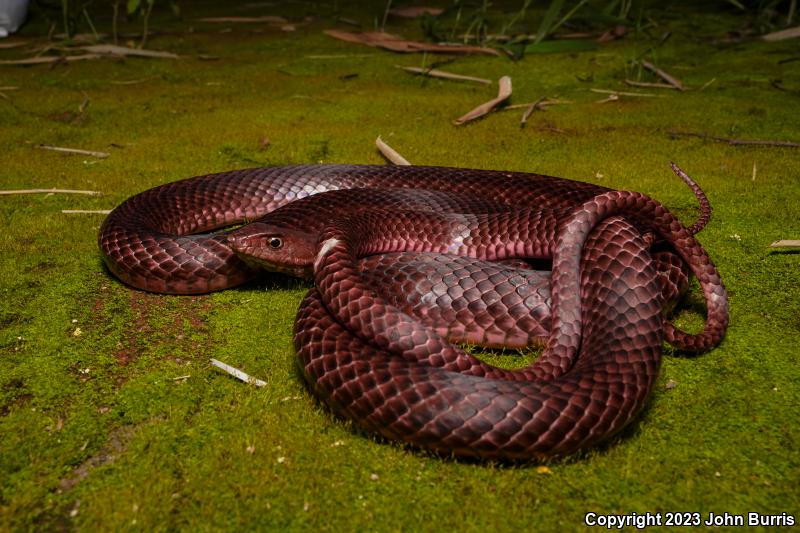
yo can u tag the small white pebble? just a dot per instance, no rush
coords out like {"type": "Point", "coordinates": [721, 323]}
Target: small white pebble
{"type": "Point", "coordinates": [598, 175]}
{"type": "Point", "coordinates": [337, 443]}
{"type": "Point", "coordinates": [74, 320]}
{"type": "Point", "coordinates": [73, 513]}
{"type": "Point", "coordinates": [305, 506]}
{"type": "Point", "coordinates": [281, 460]}
{"type": "Point", "coordinates": [717, 474]}
{"type": "Point", "coordinates": [374, 477]}
{"type": "Point", "coordinates": [251, 449]}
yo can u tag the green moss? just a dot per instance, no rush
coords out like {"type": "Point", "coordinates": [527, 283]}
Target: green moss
{"type": "Point", "coordinates": [127, 426]}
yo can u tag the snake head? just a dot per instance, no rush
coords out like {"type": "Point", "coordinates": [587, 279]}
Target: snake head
{"type": "Point", "coordinates": [275, 248]}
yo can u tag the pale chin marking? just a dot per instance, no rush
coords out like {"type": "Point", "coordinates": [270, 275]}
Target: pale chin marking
{"type": "Point", "coordinates": [323, 251]}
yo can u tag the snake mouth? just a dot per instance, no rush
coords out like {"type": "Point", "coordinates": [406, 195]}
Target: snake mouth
{"type": "Point", "coordinates": [263, 248]}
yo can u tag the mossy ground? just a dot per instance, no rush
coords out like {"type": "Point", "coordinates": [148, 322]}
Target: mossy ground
{"type": "Point", "coordinates": [127, 426]}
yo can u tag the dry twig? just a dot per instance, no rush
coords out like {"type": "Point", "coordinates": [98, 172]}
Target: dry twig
{"type": "Point", "coordinates": [131, 82]}
{"type": "Point", "coordinates": [49, 191]}
{"type": "Point", "coordinates": [433, 73]}
{"type": "Point", "coordinates": [735, 142]}
{"type": "Point", "coordinates": [634, 83]}
{"type": "Point", "coordinates": [785, 244]}
{"type": "Point", "coordinates": [609, 98]}
{"type": "Point", "coordinates": [122, 51]}
{"type": "Point", "coordinates": [396, 43]}
{"type": "Point", "coordinates": [14, 44]}
{"type": "Point", "coordinates": [623, 93]}
{"type": "Point", "coordinates": [543, 104]}
{"type": "Point", "coordinates": [86, 211]}
{"type": "Point", "coordinates": [672, 80]}
{"type": "Point", "coordinates": [41, 60]}
{"type": "Point", "coordinates": [245, 20]}
{"type": "Point", "coordinates": [238, 374]}
{"type": "Point", "coordinates": [77, 151]}
{"type": "Point", "coordinates": [503, 94]}
{"type": "Point", "coordinates": [390, 153]}
{"type": "Point", "coordinates": [529, 111]}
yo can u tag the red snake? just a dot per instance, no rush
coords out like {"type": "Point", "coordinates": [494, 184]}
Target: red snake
{"type": "Point", "coordinates": [371, 358]}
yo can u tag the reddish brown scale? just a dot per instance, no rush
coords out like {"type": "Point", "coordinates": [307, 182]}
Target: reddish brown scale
{"type": "Point", "coordinates": [149, 240]}
{"type": "Point", "coordinates": [602, 355]}
{"type": "Point", "coordinates": [449, 412]}
{"type": "Point", "coordinates": [465, 300]}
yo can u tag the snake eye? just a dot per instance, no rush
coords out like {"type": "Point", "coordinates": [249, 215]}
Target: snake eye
{"type": "Point", "coordinates": [275, 243]}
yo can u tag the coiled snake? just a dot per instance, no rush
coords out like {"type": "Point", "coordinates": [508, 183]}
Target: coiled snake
{"type": "Point", "coordinates": [375, 336]}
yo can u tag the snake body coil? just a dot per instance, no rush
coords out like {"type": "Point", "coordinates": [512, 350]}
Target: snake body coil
{"type": "Point", "coordinates": [383, 356]}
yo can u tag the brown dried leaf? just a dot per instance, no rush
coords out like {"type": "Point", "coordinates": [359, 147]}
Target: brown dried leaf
{"type": "Point", "coordinates": [14, 44]}
{"type": "Point", "coordinates": [618, 32]}
{"type": "Point", "coordinates": [413, 12]}
{"type": "Point", "coordinates": [114, 50]}
{"type": "Point", "coordinates": [503, 93]}
{"type": "Point", "coordinates": [395, 43]}
{"type": "Point", "coordinates": [41, 60]}
{"type": "Point", "coordinates": [245, 20]}
{"type": "Point", "coordinates": [790, 33]}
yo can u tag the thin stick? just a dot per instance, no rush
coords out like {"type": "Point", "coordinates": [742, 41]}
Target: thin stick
{"type": "Point", "coordinates": [755, 170]}
{"type": "Point", "coordinates": [77, 151]}
{"type": "Point", "coordinates": [86, 211]}
{"type": "Point", "coordinates": [131, 82]}
{"type": "Point", "coordinates": [706, 84]}
{"type": "Point", "coordinates": [543, 104]}
{"type": "Point", "coordinates": [48, 59]}
{"type": "Point", "coordinates": [433, 73]}
{"type": "Point", "coordinates": [389, 153]}
{"type": "Point", "coordinates": [49, 191]}
{"type": "Point", "coordinates": [634, 83]}
{"type": "Point", "coordinates": [623, 93]}
{"type": "Point", "coordinates": [238, 374]}
{"type": "Point", "coordinates": [785, 244]}
{"type": "Point", "coordinates": [672, 80]}
{"type": "Point", "coordinates": [338, 56]}
{"type": "Point", "coordinates": [610, 98]}
{"type": "Point", "coordinates": [84, 104]}
{"type": "Point", "coordinates": [735, 142]}
{"type": "Point", "coordinates": [529, 111]}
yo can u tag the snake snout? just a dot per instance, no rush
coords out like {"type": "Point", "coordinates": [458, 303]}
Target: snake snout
{"type": "Point", "coordinates": [275, 248]}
